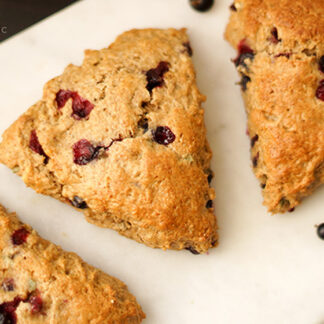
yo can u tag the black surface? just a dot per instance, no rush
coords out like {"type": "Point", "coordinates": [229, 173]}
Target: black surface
{"type": "Point", "coordinates": [16, 15]}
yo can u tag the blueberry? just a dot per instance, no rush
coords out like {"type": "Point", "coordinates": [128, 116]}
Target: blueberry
{"type": "Point", "coordinates": [163, 135]}
{"type": "Point", "coordinates": [192, 250]}
{"type": "Point", "coordinates": [201, 5]}
{"type": "Point", "coordinates": [79, 203]}
{"type": "Point", "coordinates": [320, 231]}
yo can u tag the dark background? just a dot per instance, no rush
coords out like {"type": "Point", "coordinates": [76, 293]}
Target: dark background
{"type": "Point", "coordinates": [16, 15]}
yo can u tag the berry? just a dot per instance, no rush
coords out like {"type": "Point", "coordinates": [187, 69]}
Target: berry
{"type": "Point", "coordinates": [81, 107]}
{"type": "Point", "coordinates": [84, 152]}
{"type": "Point", "coordinates": [321, 64]}
{"type": "Point", "coordinates": [154, 77]}
{"type": "Point", "coordinates": [320, 91]}
{"type": "Point", "coordinates": [201, 5]}
{"type": "Point", "coordinates": [320, 231]}
{"type": "Point", "coordinates": [35, 146]}
{"type": "Point", "coordinates": [244, 81]}
{"type": "Point", "coordinates": [244, 52]}
{"type": "Point", "coordinates": [79, 203]}
{"type": "Point", "coordinates": [8, 285]}
{"type": "Point", "coordinates": [274, 36]}
{"type": "Point", "coordinates": [19, 236]}
{"type": "Point", "coordinates": [209, 204]}
{"type": "Point", "coordinates": [192, 250]}
{"type": "Point", "coordinates": [163, 135]}
{"type": "Point", "coordinates": [254, 139]}
{"type": "Point", "coordinates": [36, 303]}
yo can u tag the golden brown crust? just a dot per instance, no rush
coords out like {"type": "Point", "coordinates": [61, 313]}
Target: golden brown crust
{"type": "Point", "coordinates": [153, 193]}
{"type": "Point", "coordinates": [70, 290]}
{"type": "Point", "coordinates": [283, 112]}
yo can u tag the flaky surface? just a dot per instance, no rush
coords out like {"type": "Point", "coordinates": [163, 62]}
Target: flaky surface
{"type": "Point", "coordinates": [71, 291]}
{"type": "Point", "coordinates": [153, 193]}
{"type": "Point", "coordinates": [284, 114]}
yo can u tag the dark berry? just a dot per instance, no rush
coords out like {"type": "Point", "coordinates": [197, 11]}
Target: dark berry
{"type": "Point", "coordinates": [284, 202]}
{"type": "Point", "coordinates": [209, 204]}
{"type": "Point", "coordinates": [8, 285]}
{"type": "Point", "coordinates": [291, 210]}
{"type": "Point", "coordinates": [81, 107]}
{"type": "Point", "coordinates": [36, 303]}
{"type": "Point", "coordinates": [263, 185]}
{"type": "Point", "coordinates": [79, 203]}
{"type": "Point", "coordinates": [210, 177]}
{"type": "Point", "coordinates": [8, 311]}
{"type": "Point", "coordinates": [255, 160]}
{"type": "Point", "coordinates": [232, 7]}
{"type": "Point", "coordinates": [274, 36]}
{"type": "Point", "coordinates": [62, 97]}
{"type": "Point", "coordinates": [320, 231]}
{"type": "Point", "coordinates": [201, 5]}
{"type": "Point", "coordinates": [321, 64]}
{"type": "Point", "coordinates": [240, 60]}
{"type": "Point", "coordinates": [320, 91]}
{"type": "Point", "coordinates": [19, 236]}
{"type": "Point", "coordinates": [244, 52]}
{"type": "Point", "coordinates": [188, 48]}
{"type": "Point", "coordinates": [192, 250]}
{"type": "Point", "coordinates": [154, 76]}
{"type": "Point", "coordinates": [163, 135]}
{"type": "Point", "coordinates": [244, 81]}
{"type": "Point", "coordinates": [36, 146]}
{"type": "Point", "coordinates": [84, 152]}
{"type": "Point", "coordinates": [254, 139]}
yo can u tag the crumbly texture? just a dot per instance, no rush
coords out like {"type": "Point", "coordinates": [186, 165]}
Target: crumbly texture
{"type": "Point", "coordinates": [285, 118]}
{"type": "Point", "coordinates": [68, 290]}
{"type": "Point", "coordinates": [157, 194]}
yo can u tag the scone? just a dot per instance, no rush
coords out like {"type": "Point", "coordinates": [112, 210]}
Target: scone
{"type": "Point", "coordinates": [41, 283]}
{"type": "Point", "coordinates": [122, 138]}
{"type": "Point", "coordinates": [281, 61]}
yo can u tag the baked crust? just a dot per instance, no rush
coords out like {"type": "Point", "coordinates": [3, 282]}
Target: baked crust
{"type": "Point", "coordinates": [285, 119]}
{"type": "Point", "coordinates": [156, 194]}
{"type": "Point", "coordinates": [69, 290]}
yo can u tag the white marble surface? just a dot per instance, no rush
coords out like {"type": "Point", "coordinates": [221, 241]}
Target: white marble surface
{"type": "Point", "coordinates": [267, 269]}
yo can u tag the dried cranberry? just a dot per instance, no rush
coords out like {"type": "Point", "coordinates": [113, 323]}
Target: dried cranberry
{"type": "Point", "coordinates": [81, 107]}
{"type": "Point", "coordinates": [36, 303]}
{"type": "Point", "coordinates": [244, 52]}
{"type": "Point", "coordinates": [321, 64]}
{"type": "Point", "coordinates": [263, 185]}
{"type": "Point", "coordinates": [192, 250]}
{"type": "Point", "coordinates": [84, 152]}
{"type": "Point", "coordinates": [254, 139]}
{"type": "Point", "coordinates": [154, 77]}
{"type": "Point", "coordinates": [244, 81]}
{"type": "Point", "coordinates": [209, 204]}
{"type": "Point", "coordinates": [188, 48]}
{"type": "Point", "coordinates": [320, 91]}
{"type": "Point", "coordinates": [79, 203]}
{"type": "Point", "coordinates": [274, 36]}
{"type": "Point", "coordinates": [8, 311]}
{"type": "Point", "coordinates": [201, 5]}
{"type": "Point", "coordinates": [255, 160]}
{"type": "Point", "coordinates": [8, 285]}
{"type": "Point", "coordinates": [291, 210]}
{"type": "Point", "coordinates": [62, 97]}
{"type": "Point", "coordinates": [19, 236]}
{"type": "Point", "coordinates": [163, 135]}
{"type": "Point", "coordinates": [210, 176]}
{"type": "Point", "coordinates": [36, 146]}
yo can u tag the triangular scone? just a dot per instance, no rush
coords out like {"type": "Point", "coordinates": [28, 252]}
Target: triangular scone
{"type": "Point", "coordinates": [41, 283]}
{"type": "Point", "coordinates": [281, 61]}
{"type": "Point", "coordinates": [122, 137]}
